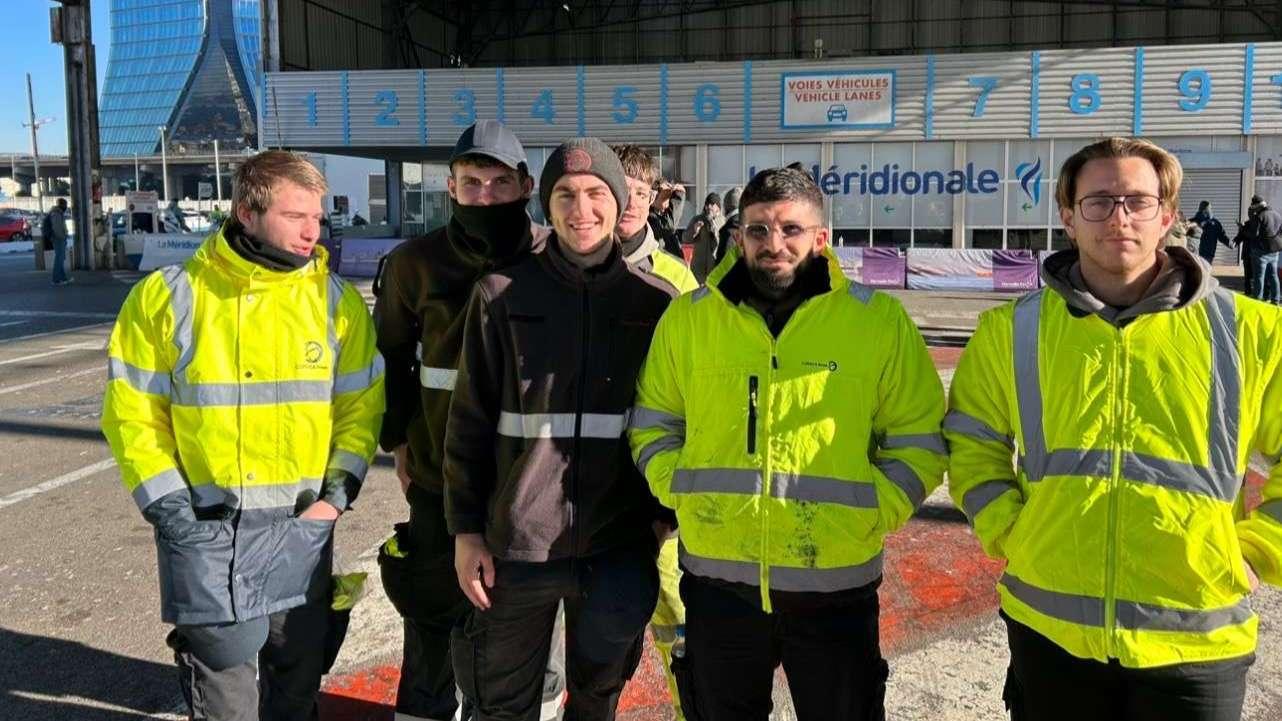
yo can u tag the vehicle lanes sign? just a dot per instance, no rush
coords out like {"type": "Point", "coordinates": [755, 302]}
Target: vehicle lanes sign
{"type": "Point", "coordinates": [836, 100]}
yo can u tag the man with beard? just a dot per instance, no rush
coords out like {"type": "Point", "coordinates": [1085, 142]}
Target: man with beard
{"type": "Point", "coordinates": [540, 494]}
{"type": "Point", "coordinates": [791, 418]}
{"type": "Point", "coordinates": [422, 294]}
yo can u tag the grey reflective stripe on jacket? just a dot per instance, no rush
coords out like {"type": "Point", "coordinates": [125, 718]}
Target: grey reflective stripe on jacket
{"type": "Point", "coordinates": [784, 578]}
{"type": "Point", "coordinates": [263, 561]}
{"type": "Point", "coordinates": [1219, 480]}
{"type": "Point", "coordinates": [788, 486]}
{"type": "Point", "coordinates": [561, 425]}
{"type": "Point", "coordinates": [442, 379]}
{"type": "Point", "coordinates": [673, 426]}
{"type": "Point", "coordinates": [1131, 615]}
{"type": "Point", "coordinates": [185, 393]}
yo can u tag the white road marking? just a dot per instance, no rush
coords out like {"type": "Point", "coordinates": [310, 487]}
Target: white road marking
{"type": "Point", "coordinates": [71, 702]}
{"type": "Point", "coordinates": [63, 331]}
{"type": "Point", "coordinates": [33, 384]}
{"type": "Point", "coordinates": [14, 322]}
{"type": "Point", "coordinates": [56, 314]}
{"type": "Point", "coordinates": [53, 483]}
{"type": "Point", "coordinates": [58, 350]}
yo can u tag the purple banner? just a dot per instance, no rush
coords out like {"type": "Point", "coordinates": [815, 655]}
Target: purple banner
{"type": "Point", "coordinates": [971, 269]}
{"type": "Point", "coordinates": [1014, 270]}
{"type": "Point", "coordinates": [874, 267]}
{"type": "Point", "coordinates": [360, 256]}
{"type": "Point", "coordinates": [884, 268]}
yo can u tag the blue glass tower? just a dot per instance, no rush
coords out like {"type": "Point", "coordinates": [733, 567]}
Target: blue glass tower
{"type": "Point", "coordinates": [191, 66]}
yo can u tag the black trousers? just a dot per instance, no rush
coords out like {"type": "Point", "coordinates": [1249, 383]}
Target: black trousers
{"type": "Point", "coordinates": [435, 604]}
{"type": "Point", "coordinates": [424, 588]}
{"type": "Point", "coordinates": [279, 684]}
{"type": "Point", "coordinates": [830, 651]}
{"type": "Point", "coordinates": [500, 655]}
{"type": "Point", "coordinates": [1046, 683]}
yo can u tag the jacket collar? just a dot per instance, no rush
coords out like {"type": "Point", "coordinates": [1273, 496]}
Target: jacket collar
{"type": "Point", "coordinates": [837, 280]}
{"type": "Point", "coordinates": [648, 245]}
{"type": "Point", "coordinates": [1184, 279]}
{"type": "Point", "coordinates": [216, 254]}
{"type": "Point", "coordinates": [567, 272]}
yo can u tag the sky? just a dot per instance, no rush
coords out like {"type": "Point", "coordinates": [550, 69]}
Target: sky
{"type": "Point", "coordinates": [28, 50]}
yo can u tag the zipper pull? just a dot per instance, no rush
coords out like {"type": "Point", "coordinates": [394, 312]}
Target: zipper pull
{"type": "Point", "coordinates": [752, 415]}
{"type": "Point", "coordinates": [774, 362]}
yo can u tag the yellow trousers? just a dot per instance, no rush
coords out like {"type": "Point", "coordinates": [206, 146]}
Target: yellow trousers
{"type": "Point", "coordinates": [669, 615]}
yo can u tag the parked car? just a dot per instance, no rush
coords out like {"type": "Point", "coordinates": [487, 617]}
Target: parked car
{"type": "Point", "coordinates": [14, 226]}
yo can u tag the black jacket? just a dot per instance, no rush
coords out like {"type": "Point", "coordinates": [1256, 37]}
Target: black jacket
{"type": "Point", "coordinates": [421, 297]}
{"type": "Point", "coordinates": [535, 455]}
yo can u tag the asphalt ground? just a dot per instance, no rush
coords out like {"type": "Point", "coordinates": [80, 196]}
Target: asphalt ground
{"type": "Point", "coordinates": [80, 636]}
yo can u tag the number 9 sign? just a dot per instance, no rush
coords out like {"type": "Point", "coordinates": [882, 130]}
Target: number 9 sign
{"type": "Point", "coordinates": [1195, 87]}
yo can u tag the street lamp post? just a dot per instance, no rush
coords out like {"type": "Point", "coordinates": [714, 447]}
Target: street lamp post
{"type": "Point", "coordinates": [35, 147]}
{"type": "Point", "coordinates": [137, 176]}
{"type": "Point", "coordinates": [218, 174]}
{"type": "Point", "coordinates": [164, 163]}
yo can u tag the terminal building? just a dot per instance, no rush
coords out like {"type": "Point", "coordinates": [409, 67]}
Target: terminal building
{"type": "Point", "coordinates": [185, 73]}
{"type": "Point", "coordinates": [926, 124]}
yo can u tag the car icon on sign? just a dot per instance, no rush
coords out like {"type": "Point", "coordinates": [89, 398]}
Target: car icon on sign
{"type": "Point", "coordinates": [837, 112]}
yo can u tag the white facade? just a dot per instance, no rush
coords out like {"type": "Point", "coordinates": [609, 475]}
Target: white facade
{"type": "Point", "coordinates": [929, 151]}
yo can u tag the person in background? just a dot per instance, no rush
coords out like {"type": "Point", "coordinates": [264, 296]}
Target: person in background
{"type": "Point", "coordinates": [730, 203]}
{"type": "Point", "coordinates": [641, 251]}
{"type": "Point", "coordinates": [1260, 240]}
{"type": "Point", "coordinates": [1213, 234]}
{"type": "Point", "coordinates": [665, 213]}
{"type": "Point", "coordinates": [54, 231]}
{"type": "Point", "coordinates": [701, 234]}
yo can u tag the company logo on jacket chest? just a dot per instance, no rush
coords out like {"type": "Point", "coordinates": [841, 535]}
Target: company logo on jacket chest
{"type": "Point", "coordinates": [830, 366]}
{"type": "Point", "coordinates": [313, 356]}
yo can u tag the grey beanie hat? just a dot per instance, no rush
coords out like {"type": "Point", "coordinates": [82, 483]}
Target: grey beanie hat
{"type": "Point", "coordinates": [583, 155]}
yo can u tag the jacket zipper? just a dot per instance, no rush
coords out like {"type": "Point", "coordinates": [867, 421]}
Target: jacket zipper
{"type": "Point", "coordinates": [585, 335]}
{"type": "Point", "coordinates": [1110, 563]}
{"type": "Point", "coordinates": [752, 415]}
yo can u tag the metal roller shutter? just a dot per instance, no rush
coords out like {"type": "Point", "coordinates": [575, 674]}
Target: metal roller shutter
{"type": "Point", "coordinates": [1224, 189]}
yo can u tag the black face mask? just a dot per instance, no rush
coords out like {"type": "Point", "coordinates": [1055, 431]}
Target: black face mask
{"type": "Point", "coordinates": [493, 231]}
{"type": "Point", "coordinates": [256, 251]}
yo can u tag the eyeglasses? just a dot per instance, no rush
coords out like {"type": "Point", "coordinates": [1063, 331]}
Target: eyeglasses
{"type": "Point", "coordinates": [1096, 208]}
{"type": "Point", "coordinates": [760, 232]}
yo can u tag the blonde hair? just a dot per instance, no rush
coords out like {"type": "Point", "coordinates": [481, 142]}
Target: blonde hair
{"type": "Point", "coordinates": [257, 178]}
{"type": "Point", "coordinates": [1169, 173]}
{"type": "Point", "coordinates": [637, 163]}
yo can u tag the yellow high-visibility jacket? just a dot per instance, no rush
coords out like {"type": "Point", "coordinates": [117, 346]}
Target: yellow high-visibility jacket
{"type": "Point", "coordinates": [1105, 465]}
{"type": "Point", "coordinates": [651, 258]}
{"type": "Point", "coordinates": [788, 460]}
{"type": "Point", "coordinates": [243, 389]}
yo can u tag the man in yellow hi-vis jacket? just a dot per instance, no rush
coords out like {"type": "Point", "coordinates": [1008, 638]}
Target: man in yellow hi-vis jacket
{"type": "Point", "coordinates": [243, 402]}
{"type": "Point", "coordinates": [791, 418]}
{"type": "Point", "coordinates": [1099, 430]}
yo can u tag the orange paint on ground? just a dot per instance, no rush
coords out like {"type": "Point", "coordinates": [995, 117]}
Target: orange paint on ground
{"type": "Point", "coordinates": [936, 578]}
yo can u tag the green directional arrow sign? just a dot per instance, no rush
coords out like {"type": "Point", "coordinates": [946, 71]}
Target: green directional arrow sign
{"type": "Point", "coordinates": [1026, 207]}
{"type": "Point", "coordinates": [888, 208]}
